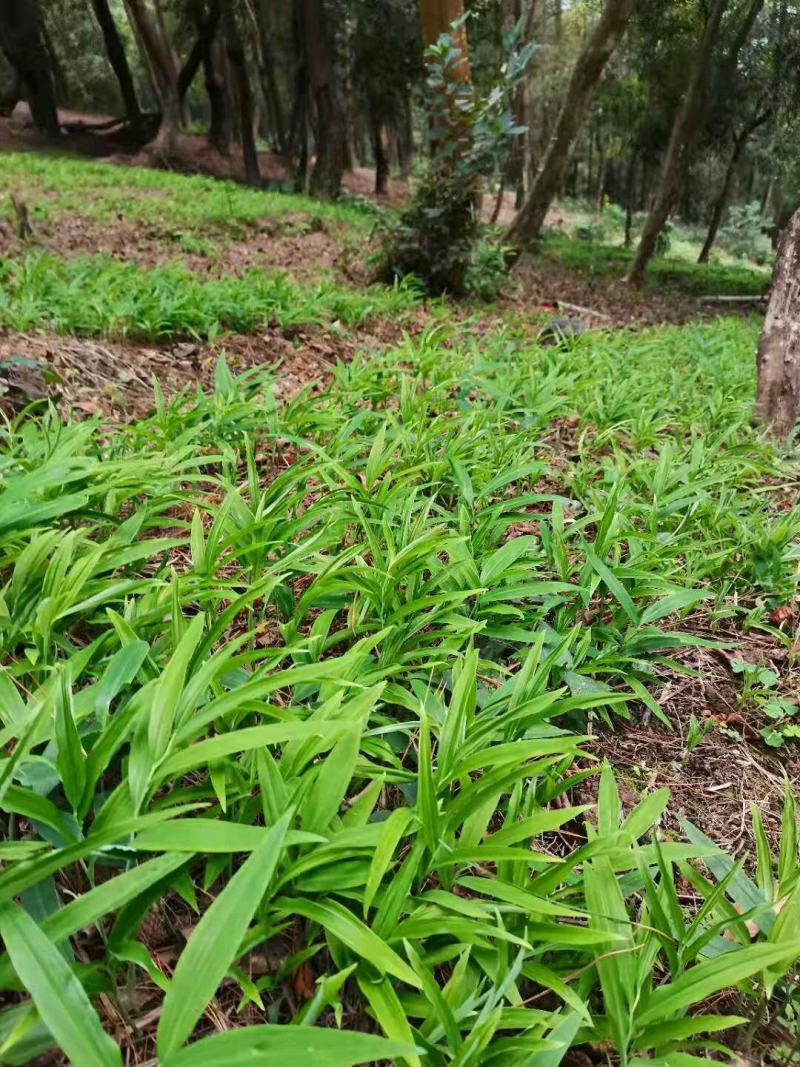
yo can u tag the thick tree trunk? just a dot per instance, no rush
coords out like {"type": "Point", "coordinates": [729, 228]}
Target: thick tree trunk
{"type": "Point", "coordinates": [437, 17]}
{"type": "Point", "coordinates": [589, 67]}
{"type": "Point", "coordinates": [330, 129]}
{"type": "Point", "coordinates": [778, 359]}
{"type": "Point", "coordinates": [115, 50]}
{"type": "Point", "coordinates": [149, 33]}
{"type": "Point", "coordinates": [22, 41]}
{"type": "Point", "coordinates": [684, 130]}
{"type": "Point", "coordinates": [244, 99]}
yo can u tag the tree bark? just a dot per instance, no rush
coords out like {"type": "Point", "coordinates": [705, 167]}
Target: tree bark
{"type": "Point", "coordinates": [269, 85]}
{"type": "Point", "coordinates": [23, 43]}
{"type": "Point", "coordinates": [379, 151]}
{"type": "Point", "coordinates": [329, 127]}
{"type": "Point", "coordinates": [219, 127]}
{"type": "Point", "coordinates": [721, 202]}
{"type": "Point", "coordinates": [115, 50]}
{"type": "Point", "coordinates": [207, 25]}
{"type": "Point", "coordinates": [437, 17]}
{"type": "Point", "coordinates": [778, 358]}
{"type": "Point", "coordinates": [244, 99]}
{"type": "Point", "coordinates": [684, 131]}
{"type": "Point", "coordinates": [162, 63]}
{"type": "Point", "coordinates": [587, 72]}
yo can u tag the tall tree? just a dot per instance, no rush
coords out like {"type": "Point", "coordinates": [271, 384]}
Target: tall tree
{"type": "Point", "coordinates": [740, 140]}
{"type": "Point", "coordinates": [115, 50]}
{"type": "Point", "coordinates": [22, 41]}
{"type": "Point", "coordinates": [778, 359]}
{"type": "Point", "coordinates": [154, 43]}
{"type": "Point", "coordinates": [244, 100]}
{"type": "Point", "coordinates": [330, 129]}
{"type": "Point", "coordinates": [599, 48]}
{"type": "Point", "coordinates": [684, 130]}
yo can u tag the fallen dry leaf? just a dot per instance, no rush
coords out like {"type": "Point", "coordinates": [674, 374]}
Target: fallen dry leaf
{"type": "Point", "coordinates": [783, 613]}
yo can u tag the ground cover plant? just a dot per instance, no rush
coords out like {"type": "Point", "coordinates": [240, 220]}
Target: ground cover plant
{"type": "Point", "coordinates": [301, 700]}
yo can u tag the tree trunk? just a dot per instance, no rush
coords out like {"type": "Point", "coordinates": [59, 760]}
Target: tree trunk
{"type": "Point", "coordinates": [219, 128]}
{"type": "Point", "coordinates": [684, 130]}
{"type": "Point", "coordinates": [207, 25]}
{"type": "Point", "coordinates": [329, 127]}
{"type": "Point", "coordinates": [630, 187]}
{"type": "Point", "coordinates": [244, 99]}
{"type": "Point", "coordinates": [23, 43]}
{"type": "Point", "coordinates": [589, 67]}
{"type": "Point", "coordinates": [161, 58]}
{"type": "Point", "coordinates": [405, 140]}
{"type": "Point", "coordinates": [721, 202]}
{"type": "Point", "coordinates": [115, 50]}
{"type": "Point", "coordinates": [778, 359]}
{"type": "Point", "coordinates": [437, 17]}
{"type": "Point", "coordinates": [269, 85]}
{"type": "Point", "coordinates": [381, 158]}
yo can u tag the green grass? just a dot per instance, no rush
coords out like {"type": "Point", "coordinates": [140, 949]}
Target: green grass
{"type": "Point", "coordinates": [93, 295]}
{"type": "Point", "coordinates": [664, 273]}
{"type": "Point", "coordinates": [64, 186]}
{"type": "Point", "coordinates": [293, 677]}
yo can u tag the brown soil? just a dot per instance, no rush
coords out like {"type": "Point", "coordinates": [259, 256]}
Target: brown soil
{"type": "Point", "coordinates": [713, 785]}
{"type": "Point", "coordinates": [114, 378]}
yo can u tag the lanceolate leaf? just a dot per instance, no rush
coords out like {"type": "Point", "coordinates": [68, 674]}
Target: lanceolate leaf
{"type": "Point", "coordinates": [214, 942]}
{"type": "Point", "coordinates": [58, 995]}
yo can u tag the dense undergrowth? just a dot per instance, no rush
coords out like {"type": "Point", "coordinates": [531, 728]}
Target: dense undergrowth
{"type": "Point", "coordinates": [310, 684]}
{"type": "Point", "coordinates": [667, 272]}
{"type": "Point", "coordinates": [99, 295]}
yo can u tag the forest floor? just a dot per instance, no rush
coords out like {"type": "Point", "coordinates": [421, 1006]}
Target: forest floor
{"type": "Point", "coordinates": [640, 480]}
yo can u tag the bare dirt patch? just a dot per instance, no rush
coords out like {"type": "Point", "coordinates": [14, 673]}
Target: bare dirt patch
{"type": "Point", "coordinates": [714, 784]}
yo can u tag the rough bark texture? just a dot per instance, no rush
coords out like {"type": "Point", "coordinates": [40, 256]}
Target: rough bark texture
{"type": "Point", "coordinates": [115, 50]}
{"type": "Point", "coordinates": [684, 130]}
{"type": "Point", "coordinates": [159, 55]}
{"type": "Point", "coordinates": [329, 127]}
{"type": "Point", "coordinates": [778, 359]}
{"type": "Point", "coordinates": [590, 65]}
{"type": "Point", "coordinates": [23, 44]}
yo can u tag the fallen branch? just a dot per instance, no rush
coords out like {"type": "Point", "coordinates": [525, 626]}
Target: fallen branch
{"type": "Point", "coordinates": [581, 310]}
{"type": "Point", "coordinates": [753, 299]}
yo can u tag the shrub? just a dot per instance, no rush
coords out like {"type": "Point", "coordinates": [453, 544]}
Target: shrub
{"type": "Point", "coordinates": [435, 237]}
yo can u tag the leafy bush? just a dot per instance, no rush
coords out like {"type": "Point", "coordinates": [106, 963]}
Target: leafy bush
{"type": "Point", "coordinates": [435, 236]}
{"type": "Point", "coordinates": [742, 234]}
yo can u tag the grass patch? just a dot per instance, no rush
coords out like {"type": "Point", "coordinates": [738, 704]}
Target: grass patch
{"type": "Point", "coordinates": [664, 273]}
{"type": "Point", "coordinates": [58, 186]}
{"type": "Point", "coordinates": [297, 680]}
{"type": "Point", "coordinates": [99, 295]}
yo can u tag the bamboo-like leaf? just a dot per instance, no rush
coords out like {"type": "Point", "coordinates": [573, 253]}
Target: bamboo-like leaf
{"type": "Point", "coordinates": [59, 997]}
{"type": "Point", "coordinates": [215, 941]}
